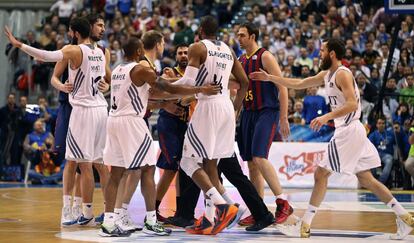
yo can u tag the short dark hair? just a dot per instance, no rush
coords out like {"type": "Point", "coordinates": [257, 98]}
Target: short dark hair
{"type": "Point", "coordinates": [131, 46]}
{"type": "Point", "coordinates": [251, 29]}
{"type": "Point", "coordinates": [209, 24]}
{"type": "Point", "coordinates": [151, 38]}
{"type": "Point", "coordinates": [93, 18]}
{"type": "Point", "coordinates": [180, 45]}
{"type": "Point", "coordinates": [336, 45]}
{"type": "Point", "coordinates": [81, 25]}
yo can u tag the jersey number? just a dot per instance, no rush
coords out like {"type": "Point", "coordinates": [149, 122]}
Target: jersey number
{"type": "Point", "coordinates": [95, 82]}
{"type": "Point", "coordinates": [218, 82]}
{"type": "Point", "coordinates": [114, 106]}
{"type": "Point", "coordinates": [249, 95]}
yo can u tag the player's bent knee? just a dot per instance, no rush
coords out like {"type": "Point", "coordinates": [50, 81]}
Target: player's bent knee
{"type": "Point", "coordinates": [189, 166]}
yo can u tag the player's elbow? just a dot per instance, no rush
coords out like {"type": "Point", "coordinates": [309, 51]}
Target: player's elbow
{"type": "Point", "coordinates": [353, 105]}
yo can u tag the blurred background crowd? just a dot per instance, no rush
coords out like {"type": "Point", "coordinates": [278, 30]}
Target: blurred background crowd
{"type": "Point", "coordinates": [292, 30]}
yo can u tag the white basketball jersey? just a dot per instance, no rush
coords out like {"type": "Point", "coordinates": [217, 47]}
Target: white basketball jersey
{"type": "Point", "coordinates": [217, 67]}
{"type": "Point", "coordinates": [337, 99]}
{"type": "Point", "coordinates": [127, 99]}
{"type": "Point", "coordinates": [85, 79]}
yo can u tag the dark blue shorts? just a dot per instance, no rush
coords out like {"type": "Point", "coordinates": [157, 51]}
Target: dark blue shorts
{"type": "Point", "coordinates": [171, 131]}
{"type": "Point", "coordinates": [256, 133]}
{"type": "Point", "coordinates": [61, 129]}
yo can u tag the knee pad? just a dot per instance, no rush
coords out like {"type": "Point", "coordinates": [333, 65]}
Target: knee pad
{"type": "Point", "coordinates": [189, 166]}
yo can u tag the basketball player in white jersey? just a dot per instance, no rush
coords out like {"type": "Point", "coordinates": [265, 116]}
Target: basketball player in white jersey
{"type": "Point", "coordinates": [70, 213]}
{"type": "Point", "coordinates": [129, 143]}
{"type": "Point", "coordinates": [211, 130]}
{"type": "Point", "coordinates": [86, 133]}
{"type": "Point", "coordinates": [349, 151]}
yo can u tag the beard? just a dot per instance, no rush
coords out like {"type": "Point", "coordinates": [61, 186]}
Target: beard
{"type": "Point", "coordinates": [95, 38]}
{"type": "Point", "coordinates": [326, 63]}
{"type": "Point", "coordinates": [183, 64]}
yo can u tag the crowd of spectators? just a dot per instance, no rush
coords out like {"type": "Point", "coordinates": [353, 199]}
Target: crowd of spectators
{"type": "Point", "coordinates": [292, 30]}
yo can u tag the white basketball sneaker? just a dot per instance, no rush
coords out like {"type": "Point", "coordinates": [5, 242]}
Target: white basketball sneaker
{"type": "Point", "coordinates": [126, 224]}
{"type": "Point", "coordinates": [405, 224]}
{"type": "Point", "coordinates": [297, 230]}
{"type": "Point", "coordinates": [67, 218]}
{"type": "Point", "coordinates": [76, 211]}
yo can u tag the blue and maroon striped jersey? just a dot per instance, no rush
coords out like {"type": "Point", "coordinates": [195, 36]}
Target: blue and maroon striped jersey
{"type": "Point", "coordinates": [260, 94]}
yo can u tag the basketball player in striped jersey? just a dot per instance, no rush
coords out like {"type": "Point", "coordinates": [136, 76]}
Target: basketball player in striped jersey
{"type": "Point", "coordinates": [96, 34]}
{"type": "Point", "coordinates": [349, 150]}
{"type": "Point", "coordinates": [211, 130]}
{"type": "Point", "coordinates": [129, 143]}
{"type": "Point", "coordinates": [264, 107]}
{"type": "Point", "coordinates": [86, 132]}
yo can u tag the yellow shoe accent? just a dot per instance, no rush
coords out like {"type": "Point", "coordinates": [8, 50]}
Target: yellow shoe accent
{"type": "Point", "coordinates": [304, 230]}
{"type": "Point", "coordinates": [408, 219]}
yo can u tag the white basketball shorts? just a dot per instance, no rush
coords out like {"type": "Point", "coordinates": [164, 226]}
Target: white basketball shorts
{"type": "Point", "coordinates": [128, 143]}
{"type": "Point", "coordinates": [350, 151]}
{"type": "Point", "coordinates": [211, 131]}
{"type": "Point", "coordinates": [85, 139]}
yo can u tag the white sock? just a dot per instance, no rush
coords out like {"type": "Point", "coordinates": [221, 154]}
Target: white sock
{"type": "Point", "coordinates": [151, 217]}
{"type": "Point", "coordinates": [87, 210]}
{"type": "Point", "coordinates": [125, 206]}
{"type": "Point", "coordinates": [67, 200]}
{"type": "Point", "coordinates": [227, 197]}
{"type": "Point", "coordinates": [77, 201]}
{"type": "Point", "coordinates": [396, 207]}
{"type": "Point", "coordinates": [215, 196]}
{"type": "Point", "coordinates": [309, 214]}
{"type": "Point", "coordinates": [281, 196]}
{"type": "Point", "coordinates": [118, 210]}
{"type": "Point", "coordinates": [109, 219]}
{"type": "Point", "coordinates": [210, 210]}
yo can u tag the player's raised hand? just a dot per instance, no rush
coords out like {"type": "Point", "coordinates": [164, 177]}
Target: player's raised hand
{"type": "Point", "coordinates": [318, 122]}
{"type": "Point", "coordinates": [11, 37]}
{"type": "Point", "coordinates": [103, 86]}
{"type": "Point", "coordinates": [261, 75]}
{"type": "Point", "coordinates": [211, 89]}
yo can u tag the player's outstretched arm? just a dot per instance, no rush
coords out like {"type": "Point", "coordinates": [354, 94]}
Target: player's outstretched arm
{"type": "Point", "coordinates": [292, 83]}
{"type": "Point", "coordinates": [67, 52]}
{"type": "Point", "coordinates": [345, 82]}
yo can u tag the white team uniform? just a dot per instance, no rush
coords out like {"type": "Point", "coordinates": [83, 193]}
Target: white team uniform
{"type": "Point", "coordinates": [128, 141]}
{"type": "Point", "coordinates": [349, 150]}
{"type": "Point", "coordinates": [211, 130]}
{"type": "Point", "coordinates": [85, 139]}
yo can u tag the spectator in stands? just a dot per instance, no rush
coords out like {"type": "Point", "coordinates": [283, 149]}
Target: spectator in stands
{"type": "Point", "coordinates": [409, 163]}
{"type": "Point", "coordinates": [45, 172]}
{"type": "Point", "coordinates": [369, 54]}
{"type": "Point", "coordinates": [297, 115]}
{"type": "Point", "coordinates": [361, 67]}
{"type": "Point", "coordinates": [402, 113]}
{"type": "Point", "coordinates": [10, 115]}
{"type": "Point", "coordinates": [409, 90]}
{"type": "Point", "coordinates": [65, 9]}
{"type": "Point", "coordinates": [384, 141]}
{"type": "Point", "coordinates": [37, 142]}
{"type": "Point", "coordinates": [183, 34]}
{"type": "Point", "coordinates": [370, 91]}
{"type": "Point", "coordinates": [303, 59]}
{"type": "Point", "coordinates": [291, 49]}
{"type": "Point", "coordinates": [313, 105]}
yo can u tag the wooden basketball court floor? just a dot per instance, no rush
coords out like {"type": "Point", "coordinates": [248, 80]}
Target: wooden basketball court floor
{"type": "Point", "coordinates": [32, 214]}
